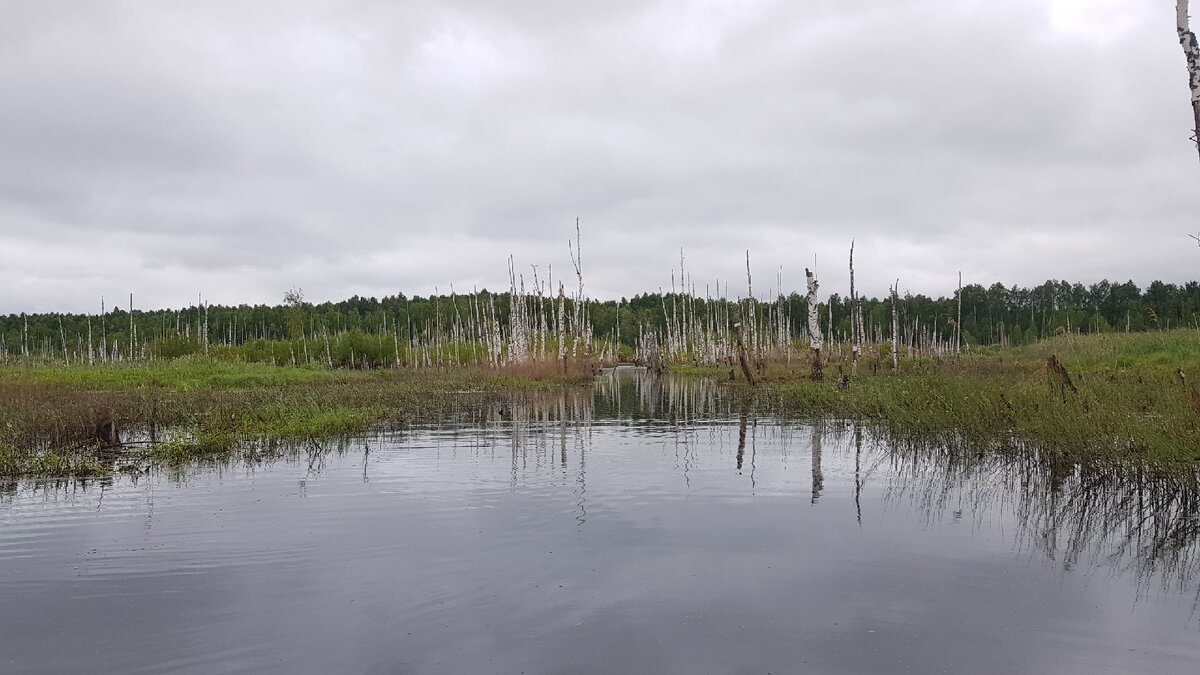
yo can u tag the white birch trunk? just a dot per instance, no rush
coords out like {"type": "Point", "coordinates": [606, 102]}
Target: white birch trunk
{"type": "Point", "coordinates": [561, 327]}
{"type": "Point", "coordinates": [1191, 52]}
{"type": "Point", "coordinates": [816, 341]}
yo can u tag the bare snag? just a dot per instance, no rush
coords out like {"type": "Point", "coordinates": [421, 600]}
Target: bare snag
{"type": "Point", "coordinates": [1059, 377]}
{"type": "Point", "coordinates": [106, 429]}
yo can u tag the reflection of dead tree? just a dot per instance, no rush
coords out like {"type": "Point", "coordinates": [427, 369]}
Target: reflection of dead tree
{"type": "Point", "coordinates": [741, 449]}
{"type": "Point", "coordinates": [818, 477]}
{"type": "Point", "coordinates": [858, 477]}
{"type": "Point", "coordinates": [1136, 520]}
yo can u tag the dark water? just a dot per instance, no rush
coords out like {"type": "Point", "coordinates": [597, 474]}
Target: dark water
{"type": "Point", "coordinates": [644, 527]}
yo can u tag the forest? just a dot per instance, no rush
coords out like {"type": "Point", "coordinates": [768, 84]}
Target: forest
{"type": "Point", "coordinates": [381, 328]}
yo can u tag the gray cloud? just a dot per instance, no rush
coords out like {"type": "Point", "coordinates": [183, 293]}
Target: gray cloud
{"type": "Point", "coordinates": [369, 147]}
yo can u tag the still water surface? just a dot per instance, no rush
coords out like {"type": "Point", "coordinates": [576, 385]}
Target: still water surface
{"type": "Point", "coordinates": [644, 526]}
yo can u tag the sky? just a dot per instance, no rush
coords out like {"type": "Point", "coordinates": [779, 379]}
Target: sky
{"type": "Point", "coordinates": [236, 150]}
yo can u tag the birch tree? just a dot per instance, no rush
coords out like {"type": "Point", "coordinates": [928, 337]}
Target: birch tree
{"type": "Point", "coordinates": [814, 329]}
{"type": "Point", "coordinates": [1191, 52]}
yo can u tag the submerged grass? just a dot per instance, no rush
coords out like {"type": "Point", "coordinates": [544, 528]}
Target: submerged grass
{"type": "Point", "coordinates": [14, 462]}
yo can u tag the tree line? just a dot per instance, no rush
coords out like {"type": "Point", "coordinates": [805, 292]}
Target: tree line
{"type": "Point", "coordinates": [992, 315]}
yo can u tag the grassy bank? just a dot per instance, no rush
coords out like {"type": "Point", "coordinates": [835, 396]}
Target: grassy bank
{"type": "Point", "coordinates": [197, 408]}
{"type": "Point", "coordinates": [1127, 402]}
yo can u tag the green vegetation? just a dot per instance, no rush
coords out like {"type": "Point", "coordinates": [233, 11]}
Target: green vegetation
{"type": "Point", "coordinates": [1127, 400]}
{"type": "Point", "coordinates": [379, 332]}
{"type": "Point", "coordinates": [181, 374]}
{"type": "Point", "coordinates": [17, 463]}
{"type": "Point", "coordinates": [1124, 400]}
{"type": "Point", "coordinates": [197, 408]}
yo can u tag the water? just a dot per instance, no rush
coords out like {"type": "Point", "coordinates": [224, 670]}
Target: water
{"type": "Point", "coordinates": [640, 527]}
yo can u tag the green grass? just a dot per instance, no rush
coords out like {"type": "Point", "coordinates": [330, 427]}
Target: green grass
{"type": "Point", "coordinates": [14, 462]}
{"type": "Point", "coordinates": [182, 374]}
{"type": "Point", "coordinates": [49, 413]}
{"type": "Point", "coordinates": [1130, 402]}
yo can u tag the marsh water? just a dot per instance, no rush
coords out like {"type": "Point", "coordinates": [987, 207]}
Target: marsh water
{"type": "Point", "coordinates": [645, 525]}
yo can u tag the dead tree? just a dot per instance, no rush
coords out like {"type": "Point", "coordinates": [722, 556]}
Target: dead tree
{"type": "Point", "coordinates": [1060, 379]}
{"type": "Point", "coordinates": [816, 341]}
{"type": "Point", "coordinates": [895, 328]}
{"type": "Point", "coordinates": [855, 318]}
{"type": "Point", "coordinates": [958, 321]}
{"type": "Point", "coordinates": [743, 360]}
{"type": "Point", "coordinates": [106, 429]}
{"type": "Point", "coordinates": [1191, 52]}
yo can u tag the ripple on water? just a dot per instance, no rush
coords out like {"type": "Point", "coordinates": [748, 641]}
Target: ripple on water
{"type": "Point", "coordinates": [646, 527]}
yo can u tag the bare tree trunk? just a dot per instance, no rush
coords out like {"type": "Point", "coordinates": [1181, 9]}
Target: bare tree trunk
{"type": "Point", "coordinates": [577, 325]}
{"type": "Point", "coordinates": [561, 327]}
{"type": "Point", "coordinates": [895, 328]}
{"type": "Point", "coordinates": [131, 327]}
{"type": "Point", "coordinates": [1191, 51]}
{"type": "Point", "coordinates": [743, 360]}
{"type": "Point", "coordinates": [958, 322]}
{"type": "Point", "coordinates": [751, 313]}
{"type": "Point", "coordinates": [816, 342]}
{"type": "Point", "coordinates": [855, 319]}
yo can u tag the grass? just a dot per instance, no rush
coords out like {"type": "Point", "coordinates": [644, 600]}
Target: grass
{"type": "Point", "coordinates": [48, 413]}
{"type": "Point", "coordinates": [17, 463]}
{"type": "Point", "coordinates": [1129, 401]}
{"type": "Point", "coordinates": [182, 374]}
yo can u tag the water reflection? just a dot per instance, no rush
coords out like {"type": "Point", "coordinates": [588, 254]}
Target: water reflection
{"type": "Point", "coordinates": [1129, 519]}
{"type": "Point", "coordinates": [671, 481]}
{"type": "Point", "coordinates": [818, 478]}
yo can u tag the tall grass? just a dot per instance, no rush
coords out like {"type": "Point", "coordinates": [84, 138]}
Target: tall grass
{"type": "Point", "coordinates": [48, 414]}
{"type": "Point", "coordinates": [1130, 402]}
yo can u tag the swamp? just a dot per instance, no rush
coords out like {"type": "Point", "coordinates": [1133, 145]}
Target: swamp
{"type": "Point", "coordinates": [506, 486]}
{"type": "Point", "coordinates": [631, 522]}
{"type": "Point", "coordinates": [946, 419]}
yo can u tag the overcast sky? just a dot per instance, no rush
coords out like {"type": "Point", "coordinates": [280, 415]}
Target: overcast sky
{"type": "Point", "coordinates": [238, 149]}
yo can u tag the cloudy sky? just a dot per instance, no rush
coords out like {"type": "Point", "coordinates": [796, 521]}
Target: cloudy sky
{"type": "Point", "coordinates": [368, 147]}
